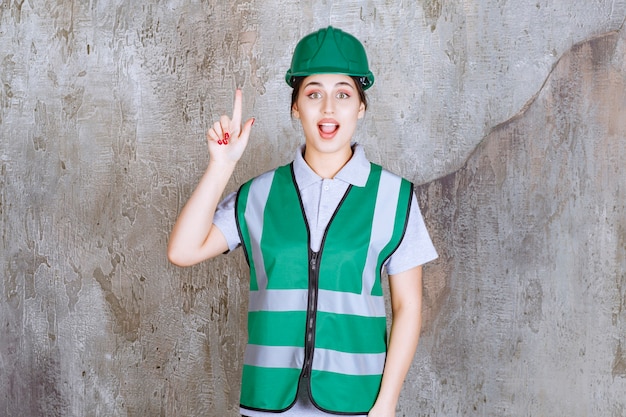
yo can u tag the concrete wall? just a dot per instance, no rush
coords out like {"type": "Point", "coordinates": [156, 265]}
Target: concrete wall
{"type": "Point", "coordinates": [511, 114]}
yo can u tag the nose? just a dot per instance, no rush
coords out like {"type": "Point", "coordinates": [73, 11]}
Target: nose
{"type": "Point", "coordinates": [328, 105]}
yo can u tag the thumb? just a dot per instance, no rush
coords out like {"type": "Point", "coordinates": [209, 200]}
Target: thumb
{"type": "Point", "coordinates": [247, 127]}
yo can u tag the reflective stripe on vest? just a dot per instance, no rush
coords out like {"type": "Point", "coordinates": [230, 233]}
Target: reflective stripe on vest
{"type": "Point", "coordinates": [342, 292]}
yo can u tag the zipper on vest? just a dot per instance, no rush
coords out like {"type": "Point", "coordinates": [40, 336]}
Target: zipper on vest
{"type": "Point", "coordinates": [309, 342]}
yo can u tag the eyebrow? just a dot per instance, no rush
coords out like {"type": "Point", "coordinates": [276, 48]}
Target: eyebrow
{"type": "Point", "coordinates": [339, 84]}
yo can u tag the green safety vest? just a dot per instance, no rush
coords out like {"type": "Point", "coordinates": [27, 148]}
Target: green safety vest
{"type": "Point", "coordinates": [317, 317]}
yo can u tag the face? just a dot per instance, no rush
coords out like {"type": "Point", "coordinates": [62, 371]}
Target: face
{"type": "Point", "coordinates": [328, 106]}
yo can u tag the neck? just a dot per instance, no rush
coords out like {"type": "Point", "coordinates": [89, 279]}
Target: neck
{"type": "Point", "coordinates": [327, 165]}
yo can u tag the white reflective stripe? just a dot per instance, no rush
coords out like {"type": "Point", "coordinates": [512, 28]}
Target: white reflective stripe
{"type": "Point", "coordinates": [348, 363]}
{"type": "Point", "coordinates": [382, 224]}
{"type": "Point", "coordinates": [328, 302]}
{"type": "Point", "coordinates": [274, 356]}
{"type": "Point", "coordinates": [255, 207]}
{"type": "Point", "coordinates": [350, 303]}
{"type": "Point", "coordinates": [323, 359]}
{"type": "Point", "coordinates": [278, 300]}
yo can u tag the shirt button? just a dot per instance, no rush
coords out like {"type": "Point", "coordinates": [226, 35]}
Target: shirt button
{"type": "Point", "coordinates": [326, 187]}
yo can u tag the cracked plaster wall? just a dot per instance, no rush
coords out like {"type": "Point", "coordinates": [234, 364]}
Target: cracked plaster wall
{"type": "Point", "coordinates": [511, 115]}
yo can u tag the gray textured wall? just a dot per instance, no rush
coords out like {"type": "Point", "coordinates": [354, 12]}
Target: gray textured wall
{"type": "Point", "coordinates": [511, 114]}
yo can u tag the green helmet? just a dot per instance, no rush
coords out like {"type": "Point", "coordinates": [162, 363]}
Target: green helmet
{"type": "Point", "coordinates": [330, 51]}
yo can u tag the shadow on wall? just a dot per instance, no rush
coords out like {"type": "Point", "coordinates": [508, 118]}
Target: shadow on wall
{"type": "Point", "coordinates": [530, 286]}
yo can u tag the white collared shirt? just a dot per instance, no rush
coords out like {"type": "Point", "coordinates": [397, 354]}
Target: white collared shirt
{"type": "Point", "coordinates": [320, 198]}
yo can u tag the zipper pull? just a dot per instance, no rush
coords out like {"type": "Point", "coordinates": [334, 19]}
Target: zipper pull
{"type": "Point", "coordinates": [314, 256]}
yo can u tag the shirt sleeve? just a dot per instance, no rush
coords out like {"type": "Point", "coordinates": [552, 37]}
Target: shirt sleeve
{"type": "Point", "coordinates": [416, 247]}
{"type": "Point", "coordinates": [224, 219]}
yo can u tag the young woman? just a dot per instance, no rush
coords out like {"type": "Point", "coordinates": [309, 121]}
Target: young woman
{"type": "Point", "coordinates": [317, 234]}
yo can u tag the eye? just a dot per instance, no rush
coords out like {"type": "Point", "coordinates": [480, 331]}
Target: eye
{"type": "Point", "coordinates": [314, 95]}
{"type": "Point", "coordinates": [343, 95]}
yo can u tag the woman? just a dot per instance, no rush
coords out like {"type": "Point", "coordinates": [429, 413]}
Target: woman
{"type": "Point", "coordinates": [317, 234]}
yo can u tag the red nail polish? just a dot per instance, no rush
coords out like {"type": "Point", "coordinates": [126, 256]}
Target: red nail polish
{"type": "Point", "coordinates": [253, 120]}
{"type": "Point", "coordinates": [225, 142]}
{"type": "Point", "coordinates": [219, 142]}
{"type": "Point", "coordinates": [226, 136]}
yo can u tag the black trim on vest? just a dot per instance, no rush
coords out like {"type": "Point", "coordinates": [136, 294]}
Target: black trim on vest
{"type": "Point", "coordinates": [406, 226]}
{"type": "Point", "coordinates": [315, 259]}
{"type": "Point", "coordinates": [245, 251]}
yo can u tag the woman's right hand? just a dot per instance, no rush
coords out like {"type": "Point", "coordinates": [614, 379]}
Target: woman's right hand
{"type": "Point", "coordinates": [227, 139]}
{"type": "Point", "coordinates": [194, 237]}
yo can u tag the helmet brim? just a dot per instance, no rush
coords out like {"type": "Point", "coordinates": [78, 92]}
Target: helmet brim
{"type": "Point", "coordinates": [366, 80]}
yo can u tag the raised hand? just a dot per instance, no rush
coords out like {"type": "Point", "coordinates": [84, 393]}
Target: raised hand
{"type": "Point", "coordinates": [227, 139]}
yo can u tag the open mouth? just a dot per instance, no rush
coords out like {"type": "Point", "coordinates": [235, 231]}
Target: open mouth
{"type": "Point", "coordinates": [328, 129]}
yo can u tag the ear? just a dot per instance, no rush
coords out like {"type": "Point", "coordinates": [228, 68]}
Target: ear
{"type": "Point", "coordinates": [294, 111]}
{"type": "Point", "coordinates": [361, 110]}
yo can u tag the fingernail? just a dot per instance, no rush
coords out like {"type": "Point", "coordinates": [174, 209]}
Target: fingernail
{"type": "Point", "coordinates": [225, 142]}
{"type": "Point", "coordinates": [219, 142]}
{"type": "Point", "coordinates": [226, 136]}
{"type": "Point", "coordinates": [253, 119]}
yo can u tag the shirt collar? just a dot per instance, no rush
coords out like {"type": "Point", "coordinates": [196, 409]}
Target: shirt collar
{"type": "Point", "coordinates": [355, 172]}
